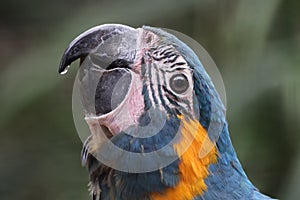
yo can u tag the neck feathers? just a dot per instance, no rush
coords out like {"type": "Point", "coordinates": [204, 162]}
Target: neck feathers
{"type": "Point", "coordinates": [196, 153]}
{"type": "Point", "coordinates": [204, 170]}
{"type": "Point", "coordinates": [228, 179]}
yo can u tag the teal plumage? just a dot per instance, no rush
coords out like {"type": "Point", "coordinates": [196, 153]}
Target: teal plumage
{"type": "Point", "coordinates": [226, 178]}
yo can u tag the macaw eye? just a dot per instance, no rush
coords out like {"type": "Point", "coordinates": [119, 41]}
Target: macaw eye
{"type": "Point", "coordinates": [179, 83]}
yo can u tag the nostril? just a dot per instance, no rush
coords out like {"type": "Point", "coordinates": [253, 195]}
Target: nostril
{"type": "Point", "coordinates": [111, 90]}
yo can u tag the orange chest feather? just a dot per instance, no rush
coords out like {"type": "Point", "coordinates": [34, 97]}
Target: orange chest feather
{"type": "Point", "coordinates": [197, 153]}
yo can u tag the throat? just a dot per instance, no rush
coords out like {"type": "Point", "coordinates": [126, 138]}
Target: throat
{"type": "Point", "coordinates": [203, 170]}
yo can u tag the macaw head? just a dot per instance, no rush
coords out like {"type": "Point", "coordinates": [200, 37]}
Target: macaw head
{"type": "Point", "coordinates": [151, 97]}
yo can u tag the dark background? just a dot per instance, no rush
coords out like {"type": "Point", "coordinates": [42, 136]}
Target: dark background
{"type": "Point", "coordinates": [254, 43]}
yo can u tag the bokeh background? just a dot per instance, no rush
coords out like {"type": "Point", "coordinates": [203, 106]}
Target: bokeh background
{"type": "Point", "coordinates": [255, 44]}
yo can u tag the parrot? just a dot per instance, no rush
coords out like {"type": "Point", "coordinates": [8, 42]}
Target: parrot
{"type": "Point", "coordinates": [166, 134]}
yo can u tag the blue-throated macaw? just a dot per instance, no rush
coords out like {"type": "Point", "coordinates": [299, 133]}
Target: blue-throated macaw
{"type": "Point", "coordinates": [160, 75]}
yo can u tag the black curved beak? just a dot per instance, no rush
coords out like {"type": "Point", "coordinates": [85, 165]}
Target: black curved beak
{"type": "Point", "coordinates": [108, 42]}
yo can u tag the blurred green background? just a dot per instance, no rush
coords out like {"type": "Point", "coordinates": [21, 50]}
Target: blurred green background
{"type": "Point", "coordinates": [254, 43]}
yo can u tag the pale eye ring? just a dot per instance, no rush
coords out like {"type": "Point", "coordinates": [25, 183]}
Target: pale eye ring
{"type": "Point", "coordinates": [179, 83]}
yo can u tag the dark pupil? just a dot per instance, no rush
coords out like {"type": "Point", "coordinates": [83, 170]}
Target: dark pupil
{"type": "Point", "coordinates": [179, 83]}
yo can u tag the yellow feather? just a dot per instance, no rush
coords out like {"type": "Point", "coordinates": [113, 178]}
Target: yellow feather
{"type": "Point", "coordinates": [194, 162]}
